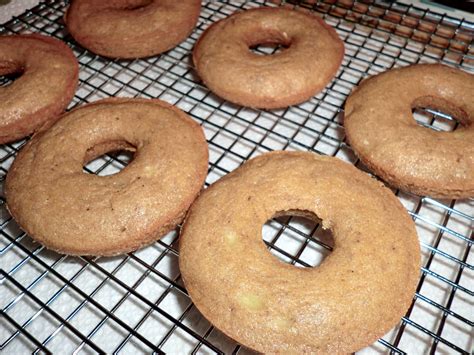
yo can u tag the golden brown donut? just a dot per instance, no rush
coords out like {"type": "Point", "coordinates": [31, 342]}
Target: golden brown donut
{"type": "Point", "coordinates": [355, 296]}
{"type": "Point", "coordinates": [382, 131]}
{"type": "Point", "coordinates": [49, 75]}
{"type": "Point", "coordinates": [73, 212]}
{"type": "Point", "coordinates": [227, 66]}
{"type": "Point", "coordinates": [131, 28]}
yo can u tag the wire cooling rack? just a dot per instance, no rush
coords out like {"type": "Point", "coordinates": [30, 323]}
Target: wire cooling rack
{"type": "Point", "coordinates": [137, 302]}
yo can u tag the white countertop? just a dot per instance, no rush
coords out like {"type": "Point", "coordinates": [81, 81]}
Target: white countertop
{"type": "Point", "coordinates": [9, 9]}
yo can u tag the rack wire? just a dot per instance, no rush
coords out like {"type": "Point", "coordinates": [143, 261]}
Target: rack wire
{"type": "Point", "coordinates": [137, 302]}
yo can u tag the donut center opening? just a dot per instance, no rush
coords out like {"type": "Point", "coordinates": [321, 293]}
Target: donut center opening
{"type": "Point", "coordinates": [440, 117]}
{"type": "Point", "coordinates": [268, 43]}
{"type": "Point", "coordinates": [297, 238]}
{"type": "Point", "coordinates": [9, 74]}
{"type": "Point", "coordinates": [137, 5]}
{"type": "Point", "coordinates": [268, 48]}
{"type": "Point", "coordinates": [108, 158]}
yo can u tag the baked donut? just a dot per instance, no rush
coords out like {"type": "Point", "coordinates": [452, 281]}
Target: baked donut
{"type": "Point", "coordinates": [73, 212]}
{"type": "Point", "coordinates": [382, 131]}
{"type": "Point", "coordinates": [48, 79]}
{"type": "Point", "coordinates": [131, 28]}
{"type": "Point", "coordinates": [355, 296]}
{"type": "Point", "coordinates": [227, 66]}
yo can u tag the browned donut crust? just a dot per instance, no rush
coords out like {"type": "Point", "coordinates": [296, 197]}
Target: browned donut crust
{"type": "Point", "coordinates": [227, 66]}
{"type": "Point", "coordinates": [73, 212]}
{"type": "Point", "coordinates": [131, 28]}
{"type": "Point", "coordinates": [355, 296]}
{"type": "Point", "coordinates": [382, 131]}
{"type": "Point", "coordinates": [49, 75]}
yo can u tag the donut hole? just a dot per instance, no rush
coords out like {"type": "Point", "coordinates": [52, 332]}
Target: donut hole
{"type": "Point", "coordinates": [268, 48]}
{"type": "Point", "coordinates": [297, 238]}
{"type": "Point", "coordinates": [435, 119]}
{"type": "Point", "coordinates": [108, 158]}
{"type": "Point", "coordinates": [9, 75]}
{"type": "Point", "coordinates": [438, 114]}
{"type": "Point", "coordinates": [137, 5]}
{"type": "Point", "coordinates": [268, 43]}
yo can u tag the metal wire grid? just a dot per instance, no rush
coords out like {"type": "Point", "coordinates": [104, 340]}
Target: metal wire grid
{"type": "Point", "coordinates": [137, 302]}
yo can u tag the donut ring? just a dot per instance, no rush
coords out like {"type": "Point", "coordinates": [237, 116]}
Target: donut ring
{"type": "Point", "coordinates": [49, 76]}
{"type": "Point", "coordinates": [355, 296]}
{"type": "Point", "coordinates": [380, 128]}
{"type": "Point", "coordinates": [72, 212]}
{"type": "Point", "coordinates": [131, 28]}
{"type": "Point", "coordinates": [227, 66]}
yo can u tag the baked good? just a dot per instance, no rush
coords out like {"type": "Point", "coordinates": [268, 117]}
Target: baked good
{"type": "Point", "coordinates": [383, 133]}
{"type": "Point", "coordinates": [353, 297]}
{"type": "Point", "coordinates": [226, 65]}
{"type": "Point", "coordinates": [48, 79]}
{"type": "Point", "coordinates": [131, 28]}
{"type": "Point", "coordinates": [73, 212]}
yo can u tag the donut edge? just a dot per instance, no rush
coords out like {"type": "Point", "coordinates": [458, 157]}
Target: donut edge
{"type": "Point", "coordinates": [435, 190]}
{"type": "Point", "coordinates": [250, 100]}
{"type": "Point", "coordinates": [53, 112]}
{"type": "Point", "coordinates": [372, 337]}
{"type": "Point", "coordinates": [114, 53]}
{"type": "Point", "coordinates": [148, 238]}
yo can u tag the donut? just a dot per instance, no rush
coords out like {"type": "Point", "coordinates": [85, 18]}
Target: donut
{"type": "Point", "coordinates": [131, 28]}
{"type": "Point", "coordinates": [381, 129]}
{"type": "Point", "coordinates": [48, 79]}
{"type": "Point", "coordinates": [72, 212]}
{"type": "Point", "coordinates": [359, 292]}
{"type": "Point", "coordinates": [226, 65]}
